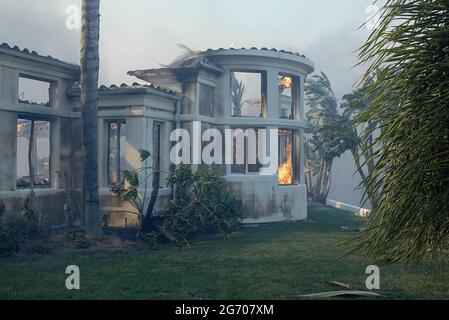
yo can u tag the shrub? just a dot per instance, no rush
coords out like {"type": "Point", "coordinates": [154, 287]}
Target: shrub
{"type": "Point", "coordinates": [12, 235]}
{"type": "Point", "coordinates": [202, 204]}
{"type": "Point", "coordinates": [31, 214]}
{"type": "Point", "coordinates": [21, 229]}
{"type": "Point", "coordinates": [80, 241]}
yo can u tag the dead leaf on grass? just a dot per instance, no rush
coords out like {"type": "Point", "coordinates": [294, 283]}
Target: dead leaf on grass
{"type": "Point", "coordinates": [337, 284]}
{"type": "Point", "coordinates": [348, 294]}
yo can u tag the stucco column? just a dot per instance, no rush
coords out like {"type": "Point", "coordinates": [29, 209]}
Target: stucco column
{"type": "Point", "coordinates": [302, 176]}
{"type": "Point", "coordinates": [8, 151]}
{"type": "Point", "coordinates": [272, 94]}
{"type": "Point", "coordinates": [9, 87]}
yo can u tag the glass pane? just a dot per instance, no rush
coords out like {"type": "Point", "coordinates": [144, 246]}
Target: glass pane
{"type": "Point", "coordinates": [206, 100]}
{"type": "Point", "coordinates": [247, 94]}
{"type": "Point", "coordinates": [157, 147]}
{"type": "Point", "coordinates": [42, 145]}
{"type": "Point", "coordinates": [122, 147]}
{"type": "Point", "coordinates": [113, 177]}
{"type": "Point", "coordinates": [286, 97]}
{"type": "Point", "coordinates": [23, 143]}
{"type": "Point", "coordinates": [285, 174]}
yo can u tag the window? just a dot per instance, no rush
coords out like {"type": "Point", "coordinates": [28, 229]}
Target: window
{"type": "Point", "coordinates": [248, 94]}
{"type": "Point", "coordinates": [288, 96]}
{"type": "Point", "coordinates": [157, 146]}
{"type": "Point", "coordinates": [245, 147]}
{"type": "Point", "coordinates": [116, 151]}
{"type": "Point", "coordinates": [33, 153]}
{"type": "Point", "coordinates": [36, 92]}
{"type": "Point", "coordinates": [207, 97]}
{"type": "Point", "coordinates": [286, 174]}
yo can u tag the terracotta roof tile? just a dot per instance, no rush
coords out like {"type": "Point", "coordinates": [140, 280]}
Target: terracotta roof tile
{"type": "Point", "coordinates": [262, 49]}
{"type": "Point", "coordinates": [34, 54]}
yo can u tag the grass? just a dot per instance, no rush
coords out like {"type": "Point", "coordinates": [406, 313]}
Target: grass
{"type": "Point", "coordinates": [276, 261]}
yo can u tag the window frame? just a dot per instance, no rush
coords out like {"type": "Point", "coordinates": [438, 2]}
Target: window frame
{"type": "Point", "coordinates": [157, 141]}
{"type": "Point", "coordinates": [51, 90]}
{"type": "Point", "coordinates": [49, 185]}
{"type": "Point", "coordinates": [211, 108]}
{"type": "Point", "coordinates": [263, 92]}
{"type": "Point", "coordinates": [295, 158]}
{"type": "Point", "coordinates": [296, 96]}
{"type": "Point", "coordinates": [118, 147]}
{"type": "Point", "coordinates": [246, 154]}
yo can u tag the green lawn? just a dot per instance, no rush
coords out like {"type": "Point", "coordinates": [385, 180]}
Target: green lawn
{"type": "Point", "coordinates": [277, 261]}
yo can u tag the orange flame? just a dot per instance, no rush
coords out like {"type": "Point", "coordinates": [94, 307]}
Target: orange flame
{"type": "Point", "coordinates": [285, 175]}
{"type": "Point", "coordinates": [286, 82]}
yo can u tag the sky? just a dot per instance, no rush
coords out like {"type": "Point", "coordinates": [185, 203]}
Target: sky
{"type": "Point", "coordinates": [145, 33]}
{"type": "Point", "coordinates": [138, 34]}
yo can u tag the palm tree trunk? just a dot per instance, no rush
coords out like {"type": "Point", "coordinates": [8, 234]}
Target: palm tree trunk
{"type": "Point", "coordinates": [31, 149]}
{"type": "Point", "coordinates": [319, 181]}
{"type": "Point", "coordinates": [324, 182]}
{"type": "Point", "coordinates": [90, 35]}
{"type": "Point", "coordinates": [308, 174]}
{"type": "Point", "coordinates": [147, 220]}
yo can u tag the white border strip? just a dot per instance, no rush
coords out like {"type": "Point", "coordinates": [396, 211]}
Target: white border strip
{"type": "Point", "coordinates": [361, 212]}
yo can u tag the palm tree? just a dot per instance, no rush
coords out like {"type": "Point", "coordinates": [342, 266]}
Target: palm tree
{"type": "Point", "coordinates": [325, 142]}
{"type": "Point", "coordinates": [90, 34]}
{"type": "Point", "coordinates": [409, 53]}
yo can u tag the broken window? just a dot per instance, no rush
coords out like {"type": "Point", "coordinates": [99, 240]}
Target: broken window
{"type": "Point", "coordinates": [116, 151]}
{"type": "Point", "coordinates": [33, 153]}
{"type": "Point", "coordinates": [207, 97]}
{"type": "Point", "coordinates": [286, 174]}
{"type": "Point", "coordinates": [32, 91]}
{"type": "Point", "coordinates": [248, 94]}
{"type": "Point", "coordinates": [288, 96]}
{"type": "Point", "coordinates": [245, 147]}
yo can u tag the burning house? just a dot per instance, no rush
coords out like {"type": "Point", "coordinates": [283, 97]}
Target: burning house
{"type": "Point", "coordinates": [223, 89]}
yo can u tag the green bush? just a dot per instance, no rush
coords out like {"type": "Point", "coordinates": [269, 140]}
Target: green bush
{"type": "Point", "coordinates": [80, 241]}
{"type": "Point", "coordinates": [12, 235]}
{"type": "Point", "coordinates": [31, 214]}
{"type": "Point", "coordinates": [18, 230]}
{"type": "Point", "coordinates": [202, 204]}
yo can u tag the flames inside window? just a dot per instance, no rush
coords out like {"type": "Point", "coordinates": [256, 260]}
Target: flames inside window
{"type": "Point", "coordinates": [287, 96]}
{"type": "Point", "coordinates": [286, 168]}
